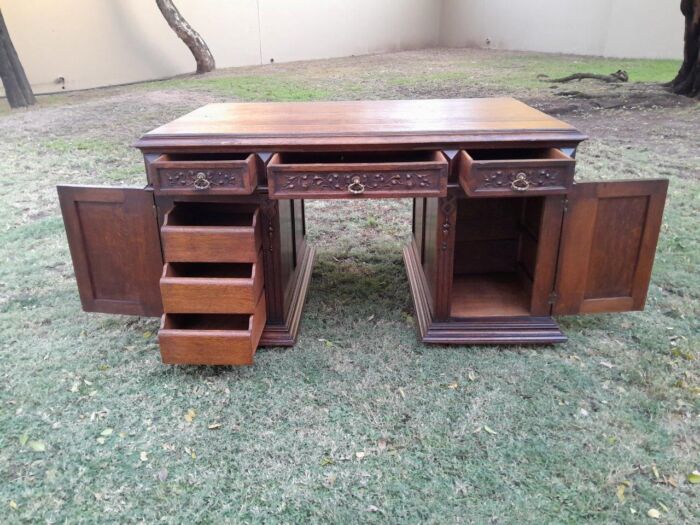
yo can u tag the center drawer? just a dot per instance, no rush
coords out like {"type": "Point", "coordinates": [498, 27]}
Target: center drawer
{"type": "Point", "coordinates": [204, 173]}
{"type": "Point", "coordinates": [357, 175]}
{"type": "Point", "coordinates": [208, 232]}
{"type": "Point", "coordinates": [211, 287]}
{"type": "Point", "coordinates": [211, 339]}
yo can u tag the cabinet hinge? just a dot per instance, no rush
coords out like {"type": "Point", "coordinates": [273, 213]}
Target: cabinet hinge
{"type": "Point", "coordinates": [566, 205]}
{"type": "Point", "coordinates": [553, 298]}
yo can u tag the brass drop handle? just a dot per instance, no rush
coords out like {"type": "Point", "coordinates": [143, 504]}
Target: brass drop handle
{"type": "Point", "coordinates": [520, 182]}
{"type": "Point", "coordinates": [201, 182]}
{"type": "Point", "coordinates": [356, 187]}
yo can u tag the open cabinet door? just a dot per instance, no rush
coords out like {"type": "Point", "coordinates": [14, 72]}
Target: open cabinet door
{"type": "Point", "coordinates": [115, 247]}
{"type": "Point", "coordinates": [607, 246]}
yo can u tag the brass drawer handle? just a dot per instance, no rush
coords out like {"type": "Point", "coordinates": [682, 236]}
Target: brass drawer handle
{"type": "Point", "coordinates": [520, 183]}
{"type": "Point", "coordinates": [356, 187]}
{"type": "Point", "coordinates": [201, 182]}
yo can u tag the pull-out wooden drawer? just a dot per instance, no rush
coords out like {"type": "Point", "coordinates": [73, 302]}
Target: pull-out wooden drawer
{"type": "Point", "coordinates": [208, 232]}
{"type": "Point", "coordinates": [515, 173]}
{"type": "Point", "coordinates": [357, 175]}
{"type": "Point", "coordinates": [204, 173]}
{"type": "Point", "coordinates": [211, 339]}
{"type": "Point", "coordinates": [215, 288]}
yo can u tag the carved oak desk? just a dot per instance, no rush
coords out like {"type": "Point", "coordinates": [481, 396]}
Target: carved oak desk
{"type": "Point", "coordinates": [502, 236]}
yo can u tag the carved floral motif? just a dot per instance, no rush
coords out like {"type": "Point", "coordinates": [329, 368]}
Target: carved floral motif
{"type": "Point", "coordinates": [537, 178]}
{"type": "Point", "coordinates": [339, 182]}
{"type": "Point", "coordinates": [174, 178]}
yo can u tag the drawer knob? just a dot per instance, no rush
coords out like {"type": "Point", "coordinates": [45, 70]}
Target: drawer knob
{"type": "Point", "coordinates": [201, 182]}
{"type": "Point", "coordinates": [520, 182]}
{"type": "Point", "coordinates": [356, 187]}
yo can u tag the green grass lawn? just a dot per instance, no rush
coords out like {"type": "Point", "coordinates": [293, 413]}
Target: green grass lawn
{"type": "Point", "coordinates": [359, 422]}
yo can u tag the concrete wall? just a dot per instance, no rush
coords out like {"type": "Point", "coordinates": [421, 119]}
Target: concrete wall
{"type": "Point", "coordinates": [104, 42]}
{"type": "Point", "coordinates": [612, 28]}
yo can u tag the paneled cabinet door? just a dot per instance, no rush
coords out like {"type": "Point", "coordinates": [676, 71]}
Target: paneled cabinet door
{"type": "Point", "coordinates": [608, 245]}
{"type": "Point", "coordinates": [115, 247]}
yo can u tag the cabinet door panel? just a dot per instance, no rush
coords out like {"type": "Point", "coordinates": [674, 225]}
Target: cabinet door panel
{"type": "Point", "coordinates": [115, 247]}
{"type": "Point", "coordinates": [608, 244]}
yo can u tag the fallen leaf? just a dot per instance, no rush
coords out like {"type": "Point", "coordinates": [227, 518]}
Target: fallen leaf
{"type": "Point", "coordinates": [620, 492]}
{"type": "Point", "coordinates": [37, 446]}
{"type": "Point", "coordinates": [490, 430]}
{"type": "Point", "coordinates": [75, 387]}
{"type": "Point", "coordinates": [162, 474]}
{"type": "Point", "coordinates": [471, 376]}
{"type": "Point", "coordinates": [13, 504]}
{"type": "Point", "coordinates": [146, 335]}
{"type": "Point", "coordinates": [191, 414]}
{"type": "Point", "coordinates": [98, 496]}
{"type": "Point", "coordinates": [23, 439]}
{"type": "Point", "coordinates": [694, 477]}
{"type": "Point", "coordinates": [214, 426]}
{"type": "Point", "coordinates": [372, 508]}
{"type": "Point", "coordinates": [106, 432]}
{"type": "Point", "coordinates": [452, 386]}
{"type": "Point", "coordinates": [653, 513]}
{"type": "Point", "coordinates": [101, 440]}
{"type": "Point", "coordinates": [607, 365]}
{"type": "Point", "coordinates": [326, 461]}
{"type": "Point", "coordinates": [584, 412]}
{"type": "Point", "coordinates": [143, 455]}
{"type": "Point", "coordinates": [655, 471]}
{"type": "Point", "coordinates": [359, 455]}
{"type": "Point", "coordinates": [381, 444]}
{"type": "Point", "coordinates": [402, 393]}
{"type": "Point", "coordinates": [663, 507]}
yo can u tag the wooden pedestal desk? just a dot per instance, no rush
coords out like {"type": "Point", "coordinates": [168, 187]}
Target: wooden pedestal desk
{"type": "Point", "coordinates": [503, 238]}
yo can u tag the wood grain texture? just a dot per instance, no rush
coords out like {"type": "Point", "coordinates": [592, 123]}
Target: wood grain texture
{"type": "Point", "coordinates": [115, 247]}
{"type": "Point", "coordinates": [348, 125]}
{"type": "Point", "coordinates": [193, 339]}
{"type": "Point", "coordinates": [210, 234]}
{"type": "Point", "coordinates": [211, 288]}
{"type": "Point", "coordinates": [608, 245]}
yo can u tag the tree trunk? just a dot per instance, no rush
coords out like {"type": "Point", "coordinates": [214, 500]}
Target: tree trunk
{"type": "Point", "coordinates": [192, 39]}
{"type": "Point", "coordinates": [17, 88]}
{"type": "Point", "coordinates": [687, 82]}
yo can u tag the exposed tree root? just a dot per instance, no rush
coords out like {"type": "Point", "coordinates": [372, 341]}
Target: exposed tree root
{"type": "Point", "coordinates": [618, 76]}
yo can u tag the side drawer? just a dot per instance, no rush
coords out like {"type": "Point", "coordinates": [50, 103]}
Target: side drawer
{"type": "Point", "coordinates": [208, 232]}
{"type": "Point", "coordinates": [211, 339]}
{"type": "Point", "coordinates": [204, 173]}
{"type": "Point", "coordinates": [213, 288]}
{"type": "Point", "coordinates": [357, 175]}
{"type": "Point", "coordinates": [515, 173]}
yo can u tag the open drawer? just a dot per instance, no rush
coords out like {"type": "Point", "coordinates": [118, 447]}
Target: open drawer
{"type": "Point", "coordinates": [357, 175]}
{"type": "Point", "coordinates": [211, 287]}
{"type": "Point", "coordinates": [204, 173]}
{"type": "Point", "coordinates": [211, 339]}
{"type": "Point", "coordinates": [208, 232]}
{"type": "Point", "coordinates": [515, 172]}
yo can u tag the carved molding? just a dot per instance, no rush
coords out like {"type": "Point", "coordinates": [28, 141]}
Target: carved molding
{"type": "Point", "coordinates": [269, 210]}
{"type": "Point", "coordinates": [447, 208]}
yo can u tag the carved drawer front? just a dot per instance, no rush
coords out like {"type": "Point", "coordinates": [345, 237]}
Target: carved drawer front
{"type": "Point", "coordinates": [214, 288]}
{"type": "Point", "coordinates": [211, 339]}
{"type": "Point", "coordinates": [515, 173]}
{"type": "Point", "coordinates": [204, 174]}
{"type": "Point", "coordinates": [208, 232]}
{"type": "Point", "coordinates": [357, 175]}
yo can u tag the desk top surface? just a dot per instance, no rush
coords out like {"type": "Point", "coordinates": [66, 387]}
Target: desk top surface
{"type": "Point", "coordinates": [360, 122]}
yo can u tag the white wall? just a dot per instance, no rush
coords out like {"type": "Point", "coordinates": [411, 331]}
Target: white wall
{"type": "Point", "coordinates": [612, 28]}
{"type": "Point", "coordinates": [103, 42]}
{"type": "Point", "coordinates": [94, 43]}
